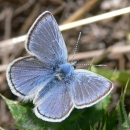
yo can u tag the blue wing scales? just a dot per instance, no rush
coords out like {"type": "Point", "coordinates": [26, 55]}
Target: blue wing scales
{"type": "Point", "coordinates": [45, 40]}
{"type": "Point", "coordinates": [88, 88]}
{"type": "Point", "coordinates": [27, 74]}
{"type": "Point", "coordinates": [54, 104]}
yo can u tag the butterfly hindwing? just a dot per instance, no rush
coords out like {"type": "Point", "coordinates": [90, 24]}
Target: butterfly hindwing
{"type": "Point", "coordinates": [89, 88]}
{"type": "Point", "coordinates": [54, 105]}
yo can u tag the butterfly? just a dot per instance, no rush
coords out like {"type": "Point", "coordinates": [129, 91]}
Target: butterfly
{"type": "Point", "coordinates": [46, 77]}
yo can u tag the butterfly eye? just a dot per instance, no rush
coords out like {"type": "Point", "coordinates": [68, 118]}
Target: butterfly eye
{"type": "Point", "coordinates": [54, 69]}
{"type": "Point", "coordinates": [74, 66]}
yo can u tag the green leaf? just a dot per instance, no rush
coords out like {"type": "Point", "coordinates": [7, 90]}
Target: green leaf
{"type": "Point", "coordinates": [25, 119]}
{"type": "Point", "coordinates": [104, 72]}
{"type": "Point", "coordinates": [123, 77]}
{"type": "Point", "coordinates": [104, 126]}
{"type": "Point", "coordinates": [124, 123]}
{"type": "Point", "coordinates": [111, 120]}
{"type": "Point", "coordinates": [91, 128]}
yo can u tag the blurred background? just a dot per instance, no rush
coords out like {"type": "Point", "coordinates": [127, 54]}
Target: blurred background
{"type": "Point", "coordinates": [108, 40]}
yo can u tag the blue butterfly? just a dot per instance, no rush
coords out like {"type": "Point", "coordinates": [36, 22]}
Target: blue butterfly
{"type": "Point", "coordinates": [46, 77]}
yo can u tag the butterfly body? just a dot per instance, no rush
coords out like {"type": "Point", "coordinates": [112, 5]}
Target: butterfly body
{"type": "Point", "coordinates": [46, 77]}
{"type": "Point", "coordinates": [65, 69]}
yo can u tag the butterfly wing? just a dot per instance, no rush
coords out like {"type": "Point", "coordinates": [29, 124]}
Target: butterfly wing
{"type": "Point", "coordinates": [45, 40]}
{"type": "Point", "coordinates": [89, 88]}
{"type": "Point", "coordinates": [27, 75]}
{"type": "Point", "coordinates": [54, 102]}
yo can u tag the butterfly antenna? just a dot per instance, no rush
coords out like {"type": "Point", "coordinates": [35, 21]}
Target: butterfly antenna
{"type": "Point", "coordinates": [76, 46]}
{"type": "Point", "coordinates": [92, 65]}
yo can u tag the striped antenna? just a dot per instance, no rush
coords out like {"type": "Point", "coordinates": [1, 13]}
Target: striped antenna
{"type": "Point", "coordinates": [91, 65]}
{"type": "Point", "coordinates": [76, 46]}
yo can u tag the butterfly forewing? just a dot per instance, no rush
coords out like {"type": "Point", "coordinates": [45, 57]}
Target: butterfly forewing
{"type": "Point", "coordinates": [45, 40]}
{"type": "Point", "coordinates": [27, 75]}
